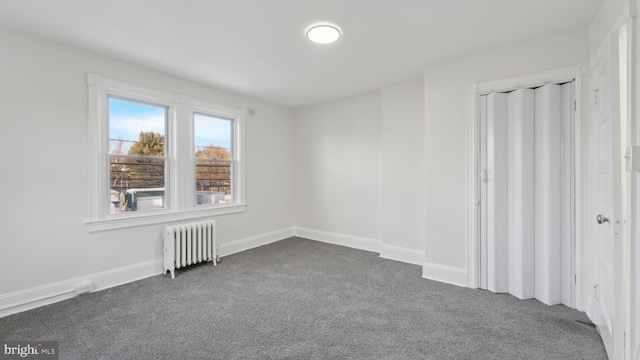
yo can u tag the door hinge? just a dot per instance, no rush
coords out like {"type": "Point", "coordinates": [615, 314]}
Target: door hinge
{"type": "Point", "coordinates": [596, 96]}
{"type": "Point", "coordinates": [575, 278]}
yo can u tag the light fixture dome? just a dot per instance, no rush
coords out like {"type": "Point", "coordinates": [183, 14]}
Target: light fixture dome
{"type": "Point", "coordinates": [323, 34]}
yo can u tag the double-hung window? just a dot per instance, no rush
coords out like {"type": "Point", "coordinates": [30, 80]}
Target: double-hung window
{"type": "Point", "coordinates": [157, 157]}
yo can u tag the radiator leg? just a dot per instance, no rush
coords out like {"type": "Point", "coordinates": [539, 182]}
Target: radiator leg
{"type": "Point", "coordinates": [171, 272]}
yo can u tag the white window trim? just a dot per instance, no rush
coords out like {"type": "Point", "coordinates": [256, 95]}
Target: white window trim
{"type": "Point", "coordinates": [180, 183]}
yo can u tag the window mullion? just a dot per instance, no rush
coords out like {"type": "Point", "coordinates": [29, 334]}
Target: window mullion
{"type": "Point", "coordinates": [185, 190]}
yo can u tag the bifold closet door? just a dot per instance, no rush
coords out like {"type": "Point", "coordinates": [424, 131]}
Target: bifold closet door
{"type": "Point", "coordinates": [526, 192]}
{"type": "Point", "coordinates": [548, 193]}
{"type": "Point", "coordinates": [521, 193]}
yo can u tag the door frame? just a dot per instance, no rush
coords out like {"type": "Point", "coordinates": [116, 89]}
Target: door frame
{"type": "Point", "coordinates": [473, 91]}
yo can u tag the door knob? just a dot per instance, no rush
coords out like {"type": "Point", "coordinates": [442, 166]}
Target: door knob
{"type": "Point", "coordinates": [601, 219]}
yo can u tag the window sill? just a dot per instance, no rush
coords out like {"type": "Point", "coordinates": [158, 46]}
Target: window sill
{"type": "Point", "coordinates": [117, 223]}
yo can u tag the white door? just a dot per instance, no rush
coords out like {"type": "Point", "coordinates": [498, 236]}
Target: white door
{"type": "Point", "coordinates": [629, 124]}
{"type": "Point", "coordinates": [606, 250]}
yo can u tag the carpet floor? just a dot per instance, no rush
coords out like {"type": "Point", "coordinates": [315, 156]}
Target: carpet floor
{"type": "Point", "coordinates": [302, 299]}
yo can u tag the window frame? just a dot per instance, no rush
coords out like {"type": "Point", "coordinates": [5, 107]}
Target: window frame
{"type": "Point", "coordinates": [180, 189]}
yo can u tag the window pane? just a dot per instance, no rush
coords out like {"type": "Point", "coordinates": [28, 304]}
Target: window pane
{"type": "Point", "coordinates": [213, 182]}
{"type": "Point", "coordinates": [213, 144]}
{"type": "Point", "coordinates": [136, 128]}
{"type": "Point", "coordinates": [136, 141]}
{"type": "Point", "coordinates": [137, 184]}
{"type": "Point", "coordinates": [212, 137]}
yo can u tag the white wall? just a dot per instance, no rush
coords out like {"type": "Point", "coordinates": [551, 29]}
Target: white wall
{"type": "Point", "coordinates": [446, 129]}
{"type": "Point", "coordinates": [402, 156]}
{"type": "Point", "coordinates": [360, 170]}
{"type": "Point", "coordinates": [45, 172]}
{"type": "Point", "coordinates": [337, 167]}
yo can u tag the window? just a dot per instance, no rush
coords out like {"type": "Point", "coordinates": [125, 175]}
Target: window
{"type": "Point", "coordinates": [137, 156]}
{"type": "Point", "coordinates": [213, 149]}
{"type": "Point", "coordinates": [157, 157]}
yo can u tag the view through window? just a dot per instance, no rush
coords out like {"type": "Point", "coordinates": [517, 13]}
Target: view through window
{"type": "Point", "coordinates": [213, 144]}
{"type": "Point", "coordinates": [137, 155]}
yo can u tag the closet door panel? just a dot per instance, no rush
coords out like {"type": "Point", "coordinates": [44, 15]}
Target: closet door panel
{"type": "Point", "coordinates": [548, 194]}
{"type": "Point", "coordinates": [521, 189]}
{"type": "Point", "coordinates": [497, 182]}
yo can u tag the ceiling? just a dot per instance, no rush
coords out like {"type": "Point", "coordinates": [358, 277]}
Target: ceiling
{"type": "Point", "coordinates": [258, 47]}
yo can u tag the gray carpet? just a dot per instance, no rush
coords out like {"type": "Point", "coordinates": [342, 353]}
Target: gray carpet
{"type": "Point", "coordinates": [301, 299]}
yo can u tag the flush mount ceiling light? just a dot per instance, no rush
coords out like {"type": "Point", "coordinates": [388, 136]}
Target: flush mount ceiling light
{"type": "Point", "coordinates": [323, 34]}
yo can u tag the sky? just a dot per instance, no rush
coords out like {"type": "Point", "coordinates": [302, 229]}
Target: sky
{"type": "Point", "coordinates": [211, 130]}
{"type": "Point", "coordinates": [127, 119]}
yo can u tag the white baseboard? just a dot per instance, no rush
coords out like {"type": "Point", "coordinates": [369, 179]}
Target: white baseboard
{"type": "Point", "coordinates": [391, 252]}
{"type": "Point", "coordinates": [32, 298]}
{"type": "Point", "coordinates": [236, 246]}
{"type": "Point", "coordinates": [355, 242]}
{"type": "Point", "coordinates": [405, 255]}
{"type": "Point", "coordinates": [445, 274]}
